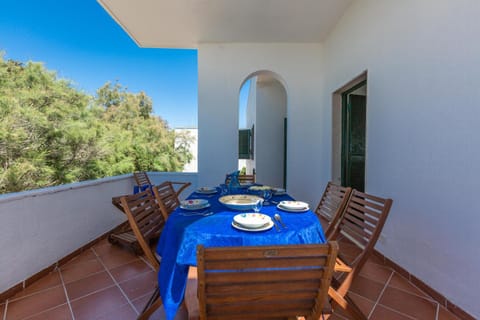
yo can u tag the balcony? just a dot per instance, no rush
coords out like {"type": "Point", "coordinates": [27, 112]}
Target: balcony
{"type": "Point", "coordinates": [103, 281]}
{"type": "Point", "coordinates": [422, 137]}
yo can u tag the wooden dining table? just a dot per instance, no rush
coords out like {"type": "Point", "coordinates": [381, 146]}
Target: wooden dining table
{"type": "Point", "coordinates": [212, 227]}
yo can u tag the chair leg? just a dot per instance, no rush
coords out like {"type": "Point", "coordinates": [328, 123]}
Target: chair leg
{"type": "Point", "coordinates": [346, 303]}
{"type": "Point", "coordinates": [153, 304]}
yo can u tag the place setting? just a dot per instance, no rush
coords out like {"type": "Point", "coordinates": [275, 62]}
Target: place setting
{"type": "Point", "coordinates": [205, 192]}
{"type": "Point", "coordinates": [195, 207]}
{"type": "Point", "coordinates": [252, 222]}
{"type": "Point", "coordinates": [293, 206]}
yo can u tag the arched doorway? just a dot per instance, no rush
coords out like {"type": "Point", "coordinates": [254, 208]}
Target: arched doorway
{"type": "Point", "coordinates": [263, 128]}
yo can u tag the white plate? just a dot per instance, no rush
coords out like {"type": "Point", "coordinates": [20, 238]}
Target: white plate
{"type": "Point", "coordinates": [194, 204]}
{"type": "Point", "coordinates": [206, 190]}
{"type": "Point", "coordinates": [292, 210]}
{"type": "Point", "coordinates": [251, 220]}
{"type": "Point", "coordinates": [267, 226]}
{"type": "Point", "coordinates": [245, 184]}
{"type": "Point", "coordinates": [294, 205]}
{"type": "Point", "coordinates": [239, 201]}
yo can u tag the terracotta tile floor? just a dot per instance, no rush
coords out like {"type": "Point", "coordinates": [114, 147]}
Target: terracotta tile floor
{"type": "Point", "coordinates": [107, 282]}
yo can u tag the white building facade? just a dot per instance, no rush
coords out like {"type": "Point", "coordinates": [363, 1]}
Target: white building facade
{"type": "Point", "coordinates": [422, 66]}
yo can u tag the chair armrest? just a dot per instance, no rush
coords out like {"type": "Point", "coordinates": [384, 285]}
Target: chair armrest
{"type": "Point", "coordinates": [341, 266]}
{"type": "Point", "coordinates": [184, 185]}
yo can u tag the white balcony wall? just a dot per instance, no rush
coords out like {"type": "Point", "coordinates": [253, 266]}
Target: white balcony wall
{"type": "Point", "coordinates": [423, 143]}
{"type": "Point", "coordinates": [269, 132]}
{"type": "Point", "coordinates": [222, 68]}
{"type": "Point", "coordinates": [39, 227]}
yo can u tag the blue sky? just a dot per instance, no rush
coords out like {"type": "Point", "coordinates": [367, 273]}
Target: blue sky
{"type": "Point", "coordinates": [81, 42]}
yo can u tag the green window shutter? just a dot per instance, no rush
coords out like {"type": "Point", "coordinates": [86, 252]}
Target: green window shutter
{"type": "Point", "coordinates": [244, 144]}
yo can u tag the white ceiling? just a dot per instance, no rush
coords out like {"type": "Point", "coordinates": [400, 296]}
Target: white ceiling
{"type": "Point", "coordinates": [186, 23]}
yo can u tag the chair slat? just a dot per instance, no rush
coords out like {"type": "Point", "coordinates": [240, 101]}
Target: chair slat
{"type": "Point", "coordinates": [254, 263]}
{"type": "Point", "coordinates": [146, 221]}
{"type": "Point", "coordinates": [365, 209]}
{"type": "Point", "coordinates": [263, 286]}
{"type": "Point", "coordinates": [167, 197]}
{"type": "Point", "coordinates": [141, 178]}
{"type": "Point", "coordinates": [259, 276]}
{"type": "Point", "coordinates": [361, 223]}
{"type": "Point", "coordinates": [244, 282]}
{"type": "Point", "coordinates": [331, 204]}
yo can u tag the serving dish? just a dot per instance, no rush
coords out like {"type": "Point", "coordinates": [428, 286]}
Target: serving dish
{"type": "Point", "coordinates": [239, 201]}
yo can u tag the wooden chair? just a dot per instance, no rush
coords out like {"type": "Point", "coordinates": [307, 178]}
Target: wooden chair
{"type": "Point", "coordinates": [243, 178]}
{"type": "Point", "coordinates": [331, 205]}
{"type": "Point", "coordinates": [264, 282]}
{"type": "Point", "coordinates": [142, 179]}
{"type": "Point", "coordinates": [167, 196]}
{"type": "Point", "coordinates": [146, 221]}
{"type": "Point", "coordinates": [358, 230]}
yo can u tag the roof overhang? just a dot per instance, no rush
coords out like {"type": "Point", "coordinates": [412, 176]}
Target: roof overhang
{"type": "Point", "coordinates": [187, 23]}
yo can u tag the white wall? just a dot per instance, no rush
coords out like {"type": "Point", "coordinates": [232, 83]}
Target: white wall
{"type": "Point", "coordinates": [221, 70]}
{"type": "Point", "coordinates": [423, 62]}
{"type": "Point", "coordinates": [269, 132]}
{"type": "Point", "coordinates": [41, 226]}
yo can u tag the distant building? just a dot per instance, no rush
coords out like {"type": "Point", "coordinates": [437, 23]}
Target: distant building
{"type": "Point", "coordinates": [192, 166]}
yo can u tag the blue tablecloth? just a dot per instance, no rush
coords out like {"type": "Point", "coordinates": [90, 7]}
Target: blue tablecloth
{"type": "Point", "coordinates": [182, 234]}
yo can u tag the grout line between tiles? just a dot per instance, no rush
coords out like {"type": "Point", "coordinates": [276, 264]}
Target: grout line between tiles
{"type": "Point", "coordinates": [398, 312]}
{"type": "Point", "coordinates": [43, 311]}
{"type": "Point", "coordinates": [381, 294]}
{"type": "Point", "coordinates": [86, 276]}
{"type": "Point", "coordinates": [93, 292]}
{"type": "Point", "coordinates": [116, 283]}
{"type": "Point", "coordinates": [143, 296]}
{"type": "Point", "coordinates": [425, 295]}
{"type": "Point", "coordinates": [389, 308]}
{"type": "Point", "coordinates": [66, 294]}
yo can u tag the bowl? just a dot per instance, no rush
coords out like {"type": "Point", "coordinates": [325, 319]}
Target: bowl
{"type": "Point", "coordinates": [239, 201]}
{"type": "Point", "coordinates": [252, 220]}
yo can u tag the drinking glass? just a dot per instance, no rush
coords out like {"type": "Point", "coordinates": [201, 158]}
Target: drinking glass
{"type": "Point", "coordinates": [258, 205]}
{"type": "Point", "coordinates": [223, 189]}
{"type": "Point", "coordinates": [267, 195]}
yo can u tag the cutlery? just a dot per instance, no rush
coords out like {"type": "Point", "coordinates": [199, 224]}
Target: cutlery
{"type": "Point", "coordinates": [279, 219]}
{"type": "Point", "coordinates": [276, 226]}
{"type": "Point", "coordinates": [189, 213]}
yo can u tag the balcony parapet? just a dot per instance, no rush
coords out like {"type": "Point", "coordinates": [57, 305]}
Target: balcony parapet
{"type": "Point", "coordinates": [40, 227]}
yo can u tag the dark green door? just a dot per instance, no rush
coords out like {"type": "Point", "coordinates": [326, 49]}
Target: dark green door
{"type": "Point", "coordinates": [353, 140]}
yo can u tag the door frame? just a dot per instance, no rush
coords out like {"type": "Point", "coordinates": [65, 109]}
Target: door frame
{"type": "Point", "coordinates": [345, 134]}
{"type": "Point", "coordinates": [336, 152]}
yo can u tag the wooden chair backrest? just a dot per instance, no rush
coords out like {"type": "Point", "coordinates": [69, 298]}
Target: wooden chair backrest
{"type": "Point", "coordinates": [167, 196]}
{"type": "Point", "coordinates": [141, 178]}
{"type": "Point", "coordinates": [146, 221]}
{"type": "Point", "coordinates": [271, 282]}
{"type": "Point", "coordinates": [242, 178]}
{"type": "Point", "coordinates": [361, 223]}
{"type": "Point", "coordinates": [332, 204]}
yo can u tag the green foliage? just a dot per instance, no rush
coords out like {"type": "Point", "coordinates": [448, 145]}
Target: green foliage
{"type": "Point", "coordinates": [51, 133]}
